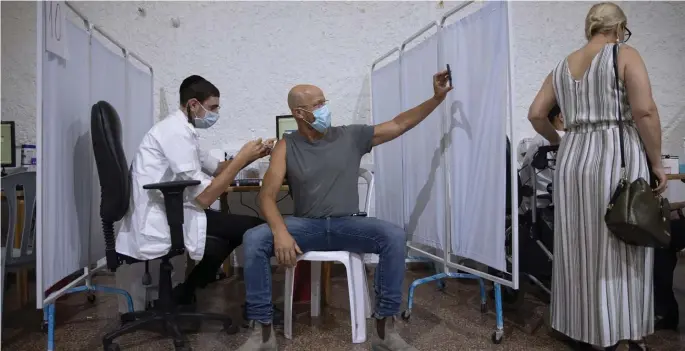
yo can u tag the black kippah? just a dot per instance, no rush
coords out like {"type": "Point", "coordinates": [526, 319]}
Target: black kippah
{"type": "Point", "coordinates": [190, 81]}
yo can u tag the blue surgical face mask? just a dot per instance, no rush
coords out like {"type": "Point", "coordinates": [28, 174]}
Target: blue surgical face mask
{"type": "Point", "coordinates": [322, 119]}
{"type": "Point", "coordinates": [207, 121]}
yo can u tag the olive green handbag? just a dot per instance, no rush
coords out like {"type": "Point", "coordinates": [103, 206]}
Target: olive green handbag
{"type": "Point", "coordinates": [635, 214]}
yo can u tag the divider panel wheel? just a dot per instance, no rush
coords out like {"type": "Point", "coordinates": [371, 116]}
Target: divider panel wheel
{"type": "Point", "coordinates": [497, 337]}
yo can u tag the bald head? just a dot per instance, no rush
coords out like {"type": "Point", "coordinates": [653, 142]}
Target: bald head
{"type": "Point", "coordinates": [305, 96]}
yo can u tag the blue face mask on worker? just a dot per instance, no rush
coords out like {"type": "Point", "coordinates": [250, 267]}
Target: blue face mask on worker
{"type": "Point", "coordinates": [322, 119]}
{"type": "Point", "coordinates": [208, 120]}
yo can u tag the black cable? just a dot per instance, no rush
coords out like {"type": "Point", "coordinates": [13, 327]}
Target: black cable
{"type": "Point", "coordinates": [277, 201]}
{"type": "Point", "coordinates": [536, 170]}
{"type": "Point", "coordinates": [242, 203]}
{"type": "Point", "coordinates": [281, 199]}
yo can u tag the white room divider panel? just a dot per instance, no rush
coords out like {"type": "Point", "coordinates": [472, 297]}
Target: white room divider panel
{"type": "Point", "coordinates": [66, 166]}
{"type": "Point", "coordinates": [136, 120]}
{"type": "Point", "coordinates": [68, 234]}
{"type": "Point", "coordinates": [386, 104]}
{"type": "Point", "coordinates": [476, 48]}
{"type": "Point", "coordinates": [138, 117]}
{"type": "Point", "coordinates": [108, 83]}
{"type": "Point", "coordinates": [115, 79]}
{"type": "Point", "coordinates": [454, 163]}
{"type": "Point", "coordinates": [108, 78]}
{"type": "Point", "coordinates": [423, 146]}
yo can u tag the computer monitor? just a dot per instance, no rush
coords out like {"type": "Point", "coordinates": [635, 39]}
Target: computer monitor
{"type": "Point", "coordinates": [8, 156]}
{"type": "Point", "coordinates": [284, 125]}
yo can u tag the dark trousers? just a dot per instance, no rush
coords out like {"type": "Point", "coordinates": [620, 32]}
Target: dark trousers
{"type": "Point", "coordinates": [224, 234]}
{"type": "Point", "coordinates": [665, 261]}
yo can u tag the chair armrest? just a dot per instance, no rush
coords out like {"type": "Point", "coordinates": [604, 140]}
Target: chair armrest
{"type": "Point", "coordinates": [175, 185]}
{"type": "Point", "coordinates": [548, 148]}
{"type": "Point", "coordinates": [540, 160]}
{"type": "Point", "coordinates": [173, 204]}
{"type": "Point", "coordinates": [545, 197]}
{"type": "Point", "coordinates": [526, 190]}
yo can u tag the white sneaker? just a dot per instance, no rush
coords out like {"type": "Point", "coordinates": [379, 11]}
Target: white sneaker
{"type": "Point", "coordinates": [262, 338]}
{"type": "Point", "coordinates": [386, 338]}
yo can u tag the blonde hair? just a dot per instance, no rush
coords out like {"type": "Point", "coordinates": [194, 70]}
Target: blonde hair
{"type": "Point", "coordinates": [604, 18]}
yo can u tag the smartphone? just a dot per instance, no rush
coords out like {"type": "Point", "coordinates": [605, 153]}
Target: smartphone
{"type": "Point", "coordinates": [449, 74]}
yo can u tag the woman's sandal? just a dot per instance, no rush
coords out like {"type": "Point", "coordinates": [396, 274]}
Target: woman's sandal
{"type": "Point", "coordinates": [634, 346]}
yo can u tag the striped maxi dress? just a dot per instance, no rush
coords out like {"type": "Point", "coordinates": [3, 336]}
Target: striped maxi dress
{"type": "Point", "coordinates": [601, 287]}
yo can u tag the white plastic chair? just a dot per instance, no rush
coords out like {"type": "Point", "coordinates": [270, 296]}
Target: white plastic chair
{"type": "Point", "coordinates": [360, 302]}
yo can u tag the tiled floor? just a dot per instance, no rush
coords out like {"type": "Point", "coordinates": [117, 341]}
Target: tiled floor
{"type": "Point", "coordinates": [449, 320]}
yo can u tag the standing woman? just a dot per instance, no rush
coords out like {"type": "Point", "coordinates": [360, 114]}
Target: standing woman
{"type": "Point", "coordinates": [601, 287]}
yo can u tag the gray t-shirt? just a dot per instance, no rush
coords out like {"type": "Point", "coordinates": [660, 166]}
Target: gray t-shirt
{"type": "Point", "coordinates": [324, 175]}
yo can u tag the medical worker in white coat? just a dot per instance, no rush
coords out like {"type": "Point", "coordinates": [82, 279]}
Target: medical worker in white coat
{"type": "Point", "coordinates": [171, 151]}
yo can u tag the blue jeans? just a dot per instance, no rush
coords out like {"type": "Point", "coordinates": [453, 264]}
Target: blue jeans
{"type": "Point", "coordinates": [354, 234]}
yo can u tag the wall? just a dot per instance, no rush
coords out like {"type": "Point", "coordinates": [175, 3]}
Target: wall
{"type": "Point", "coordinates": [545, 32]}
{"type": "Point", "coordinates": [18, 68]}
{"type": "Point", "coordinates": [255, 51]}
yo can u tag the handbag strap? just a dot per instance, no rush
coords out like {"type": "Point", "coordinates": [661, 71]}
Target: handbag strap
{"type": "Point", "coordinates": [620, 116]}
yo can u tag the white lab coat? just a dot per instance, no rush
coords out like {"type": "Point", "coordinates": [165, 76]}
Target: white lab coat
{"type": "Point", "coordinates": [169, 151]}
{"type": "Point", "coordinates": [544, 177]}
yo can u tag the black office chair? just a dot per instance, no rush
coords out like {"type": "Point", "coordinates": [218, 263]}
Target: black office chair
{"type": "Point", "coordinates": [115, 187]}
{"type": "Point", "coordinates": [508, 176]}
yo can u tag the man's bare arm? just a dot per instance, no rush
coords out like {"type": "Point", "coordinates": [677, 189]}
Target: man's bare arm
{"type": "Point", "coordinates": [387, 131]}
{"type": "Point", "coordinates": [221, 167]}
{"type": "Point", "coordinates": [271, 185]}
{"type": "Point", "coordinates": [384, 132]}
{"type": "Point", "coordinates": [220, 183]}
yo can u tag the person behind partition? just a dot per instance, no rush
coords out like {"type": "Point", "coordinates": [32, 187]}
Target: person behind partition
{"type": "Point", "coordinates": [602, 293]}
{"type": "Point", "coordinates": [543, 177]}
{"type": "Point", "coordinates": [666, 311]}
{"type": "Point", "coordinates": [171, 151]}
{"type": "Point", "coordinates": [322, 166]}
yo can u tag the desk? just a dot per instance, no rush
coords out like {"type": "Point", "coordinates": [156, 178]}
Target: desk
{"type": "Point", "coordinates": [680, 176]}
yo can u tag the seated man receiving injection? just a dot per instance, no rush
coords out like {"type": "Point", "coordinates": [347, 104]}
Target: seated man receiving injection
{"type": "Point", "coordinates": [322, 164]}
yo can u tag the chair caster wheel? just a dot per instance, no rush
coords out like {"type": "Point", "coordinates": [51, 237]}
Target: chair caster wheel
{"type": "Point", "coordinates": [406, 314]}
{"type": "Point", "coordinates": [231, 328]}
{"type": "Point", "coordinates": [112, 347]}
{"type": "Point", "coordinates": [127, 318]}
{"type": "Point", "coordinates": [483, 308]}
{"type": "Point", "coordinates": [147, 279]}
{"type": "Point", "coordinates": [182, 346]}
{"type": "Point", "coordinates": [91, 298]}
{"type": "Point", "coordinates": [497, 337]}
